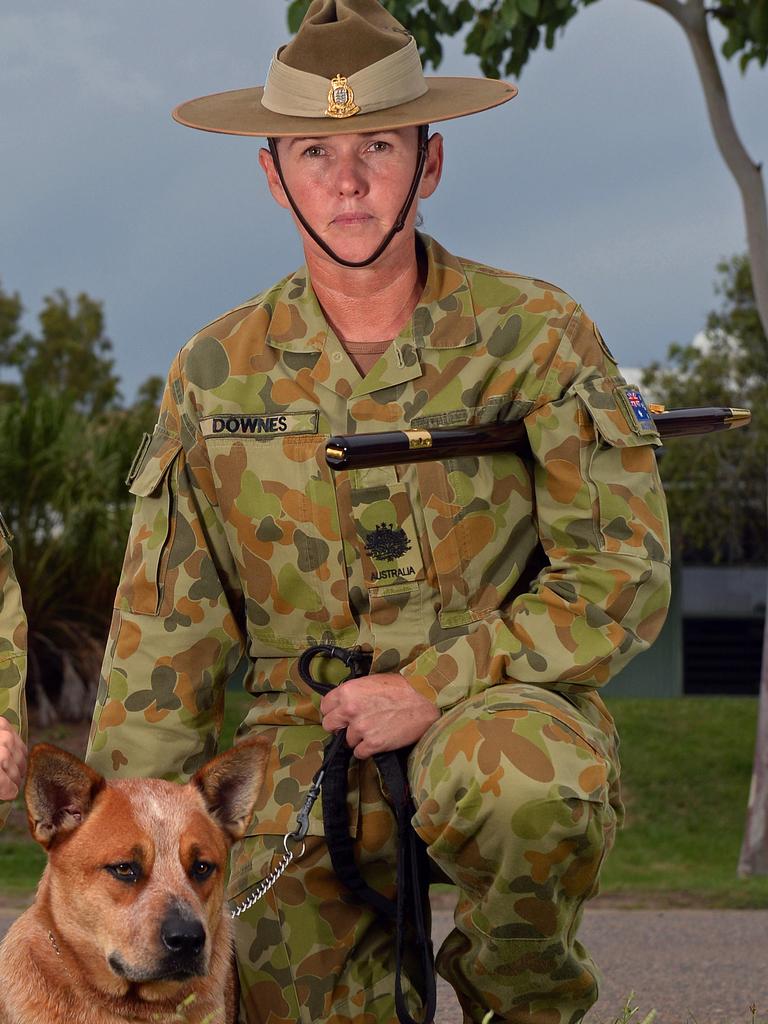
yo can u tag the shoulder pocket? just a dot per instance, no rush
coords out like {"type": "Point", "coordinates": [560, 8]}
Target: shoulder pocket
{"type": "Point", "coordinates": [619, 466]}
{"type": "Point", "coordinates": [151, 462]}
{"type": "Point", "coordinates": [152, 479]}
{"type": "Point", "coordinates": [618, 412]}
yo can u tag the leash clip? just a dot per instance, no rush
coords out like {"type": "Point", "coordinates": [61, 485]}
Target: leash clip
{"type": "Point", "coordinates": [302, 818]}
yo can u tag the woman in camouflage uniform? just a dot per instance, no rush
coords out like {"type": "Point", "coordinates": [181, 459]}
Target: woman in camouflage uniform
{"type": "Point", "coordinates": [13, 665]}
{"type": "Point", "coordinates": [495, 594]}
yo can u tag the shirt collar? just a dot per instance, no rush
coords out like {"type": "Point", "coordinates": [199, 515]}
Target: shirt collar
{"type": "Point", "coordinates": [297, 323]}
{"type": "Point", "coordinates": [444, 317]}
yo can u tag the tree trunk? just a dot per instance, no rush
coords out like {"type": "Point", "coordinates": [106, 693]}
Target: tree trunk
{"type": "Point", "coordinates": [692, 18]}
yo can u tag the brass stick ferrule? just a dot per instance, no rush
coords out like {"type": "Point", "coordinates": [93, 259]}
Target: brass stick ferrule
{"type": "Point", "coordinates": [738, 418]}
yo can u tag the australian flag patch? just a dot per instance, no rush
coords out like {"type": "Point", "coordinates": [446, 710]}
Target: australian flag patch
{"type": "Point", "coordinates": [635, 409]}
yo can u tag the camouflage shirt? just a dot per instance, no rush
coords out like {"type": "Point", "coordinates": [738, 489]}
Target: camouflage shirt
{"type": "Point", "coordinates": [458, 574]}
{"type": "Point", "coordinates": [13, 649]}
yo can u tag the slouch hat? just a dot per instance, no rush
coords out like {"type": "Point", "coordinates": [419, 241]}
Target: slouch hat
{"type": "Point", "coordinates": [351, 67]}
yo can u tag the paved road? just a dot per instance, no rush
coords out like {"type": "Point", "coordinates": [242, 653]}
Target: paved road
{"type": "Point", "coordinates": [692, 966]}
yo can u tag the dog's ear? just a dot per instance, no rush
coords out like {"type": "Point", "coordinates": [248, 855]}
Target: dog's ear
{"type": "Point", "coordinates": [230, 784]}
{"type": "Point", "coordinates": [59, 791]}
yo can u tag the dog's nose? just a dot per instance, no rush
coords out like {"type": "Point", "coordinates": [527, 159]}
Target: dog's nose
{"type": "Point", "coordinates": [181, 936]}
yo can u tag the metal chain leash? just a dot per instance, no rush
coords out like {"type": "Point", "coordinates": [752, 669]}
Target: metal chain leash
{"type": "Point", "coordinates": [267, 882]}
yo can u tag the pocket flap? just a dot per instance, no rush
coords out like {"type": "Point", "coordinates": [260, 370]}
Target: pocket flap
{"type": "Point", "coordinates": [618, 411]}
{"type": "Point", "coordinates": [150, 464]}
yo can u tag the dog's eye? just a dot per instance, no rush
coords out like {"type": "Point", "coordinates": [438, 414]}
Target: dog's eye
{"type": "Point", "coordinates": [125, 871]}
{"type": "Point", "coordinates": [201, 870]}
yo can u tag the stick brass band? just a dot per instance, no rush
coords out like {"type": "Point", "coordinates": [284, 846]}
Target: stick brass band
{"type": "Point", "coordinates": [418, 438]}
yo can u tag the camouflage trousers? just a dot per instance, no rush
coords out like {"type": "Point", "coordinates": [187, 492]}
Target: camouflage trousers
{"type": "Point", "coordinates": [517, 799]}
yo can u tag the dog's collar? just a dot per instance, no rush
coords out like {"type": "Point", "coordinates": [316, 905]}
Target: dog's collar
{"type": "Point", "coordinates": [57, 951]}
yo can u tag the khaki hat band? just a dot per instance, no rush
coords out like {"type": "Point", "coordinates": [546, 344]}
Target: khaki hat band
{"type": "Point", "coordinates": [395, 79]}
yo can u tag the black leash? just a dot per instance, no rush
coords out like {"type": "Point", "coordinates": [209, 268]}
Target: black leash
{"type": "Point", "coordinates": [410, 905]}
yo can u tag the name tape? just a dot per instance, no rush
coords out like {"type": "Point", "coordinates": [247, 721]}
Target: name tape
{"type": "Point", "coordinates": [263, 425]}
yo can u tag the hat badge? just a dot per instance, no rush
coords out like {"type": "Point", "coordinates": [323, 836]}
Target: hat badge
{"type": "Point", "coordinates": [341, 99]}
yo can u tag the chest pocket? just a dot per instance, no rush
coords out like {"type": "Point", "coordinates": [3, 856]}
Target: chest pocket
{"type": "Point", "coordinates": [152, 480]}
{"type": "Point", "coordinates": [278, 507]}
{"type": "Point", "coordinates": [479, 523]}
{"type": "Point", "coordinates": [384, 531]}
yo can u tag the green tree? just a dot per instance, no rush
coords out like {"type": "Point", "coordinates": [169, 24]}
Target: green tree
{"type": "Point", "coordinates": [503, 34]}
{"type": "Point", "coordinates": [148, 397]}
{"type": "Point", "coordinates": [66, 445]}
{"type": "Point", "coordinates": [71, 353]}
{"type": "Point", "coordinates": [716, 488]}
{"type": "Point", "coordinates": [60, 481]}
{"type": "Point", "coordinates": [11, 311]}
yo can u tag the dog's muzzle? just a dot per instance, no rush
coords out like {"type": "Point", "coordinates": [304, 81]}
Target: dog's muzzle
{"type": "Point", "coordinates": [183, 953]}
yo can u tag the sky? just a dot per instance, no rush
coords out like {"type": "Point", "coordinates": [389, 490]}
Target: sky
{"type": "Point", "coordinates": [602, 176]}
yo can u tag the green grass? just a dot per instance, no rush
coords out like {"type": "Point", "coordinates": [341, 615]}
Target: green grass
{"type": "Point", "coordinates": [687, 764]}
{"type": "Point", "coordinates": [21, 864]}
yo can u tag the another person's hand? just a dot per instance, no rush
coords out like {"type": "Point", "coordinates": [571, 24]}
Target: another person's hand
{"type": "Point", "coordinates": [13, 761]}
{"type": "Point", "coordinates": [380, 712]}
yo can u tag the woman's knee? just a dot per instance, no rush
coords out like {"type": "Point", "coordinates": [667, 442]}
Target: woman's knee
{"type": "Point", "coordinates": [516, 775]}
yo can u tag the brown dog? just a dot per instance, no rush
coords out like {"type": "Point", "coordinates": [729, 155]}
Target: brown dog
{"type": "Point", "coordinates": [129, 923]}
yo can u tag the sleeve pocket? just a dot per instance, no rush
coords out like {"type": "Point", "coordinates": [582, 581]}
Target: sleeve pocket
{"type": "Point", "coordinates": [152, 479]}
{"type": "Point", "coordinates": [620, 467]}
{"type": "Point", "coordinates": [605, 401]}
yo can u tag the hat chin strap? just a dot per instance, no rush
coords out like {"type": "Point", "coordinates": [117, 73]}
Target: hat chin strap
{"type": "Point", "coordinates": [399, 221]}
